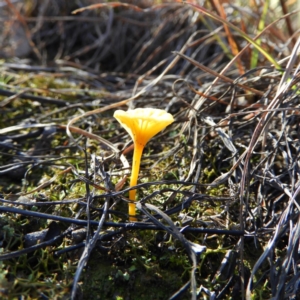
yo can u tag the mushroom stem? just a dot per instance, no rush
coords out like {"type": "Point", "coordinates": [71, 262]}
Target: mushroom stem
{"type": "Point", "coordinates": [142, 124]}
{"type": "Point", "coordinates": [137, 155]}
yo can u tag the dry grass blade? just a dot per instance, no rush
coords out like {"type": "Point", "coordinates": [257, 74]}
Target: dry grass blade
{"type": "Point", "coordinates": [91, 240]}
{"type": "Point", "coordinates": [281, 228]}
{"type": "Point", "coordinates": [217, 75]}
{"type": "Point", "coordinates": [224, 21]}
{"type": "Point", "coordinates": [231, 41]}
{"type": "Point", "coordinates": [190, 247]}
{"type": "Point", "coordinates": [111, 4]}
{"type": "Point", "coordinates": [266, 117]}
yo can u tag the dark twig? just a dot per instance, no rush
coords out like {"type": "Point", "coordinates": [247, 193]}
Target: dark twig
{"type": "Point", "coordinates": [127, 226]}
{"type": "Point", "coordinates": [43, 100]}
{"type": "Point", "coordinates": [33, 248]}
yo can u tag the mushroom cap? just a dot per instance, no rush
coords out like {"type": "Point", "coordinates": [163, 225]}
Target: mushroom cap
{"type": "Point", "coordinates": [143, 123]}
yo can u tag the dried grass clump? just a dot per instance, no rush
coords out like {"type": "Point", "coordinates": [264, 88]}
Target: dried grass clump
{"type": "Point", "coordinates": [121, 39]}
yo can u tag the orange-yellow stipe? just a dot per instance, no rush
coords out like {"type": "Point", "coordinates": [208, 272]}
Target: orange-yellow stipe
{"type": "Point", "coordinates": [141, 124]}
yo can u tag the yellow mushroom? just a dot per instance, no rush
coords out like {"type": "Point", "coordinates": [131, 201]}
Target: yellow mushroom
{"type": "Point", "coordinates": [141, 124]}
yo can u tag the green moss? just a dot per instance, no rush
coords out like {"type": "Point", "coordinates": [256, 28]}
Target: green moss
{"type": "Point", "coordinates": [106, 279]}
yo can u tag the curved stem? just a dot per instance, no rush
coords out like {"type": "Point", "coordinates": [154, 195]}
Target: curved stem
{"type": "Point", "coordinates": [137, 154]}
